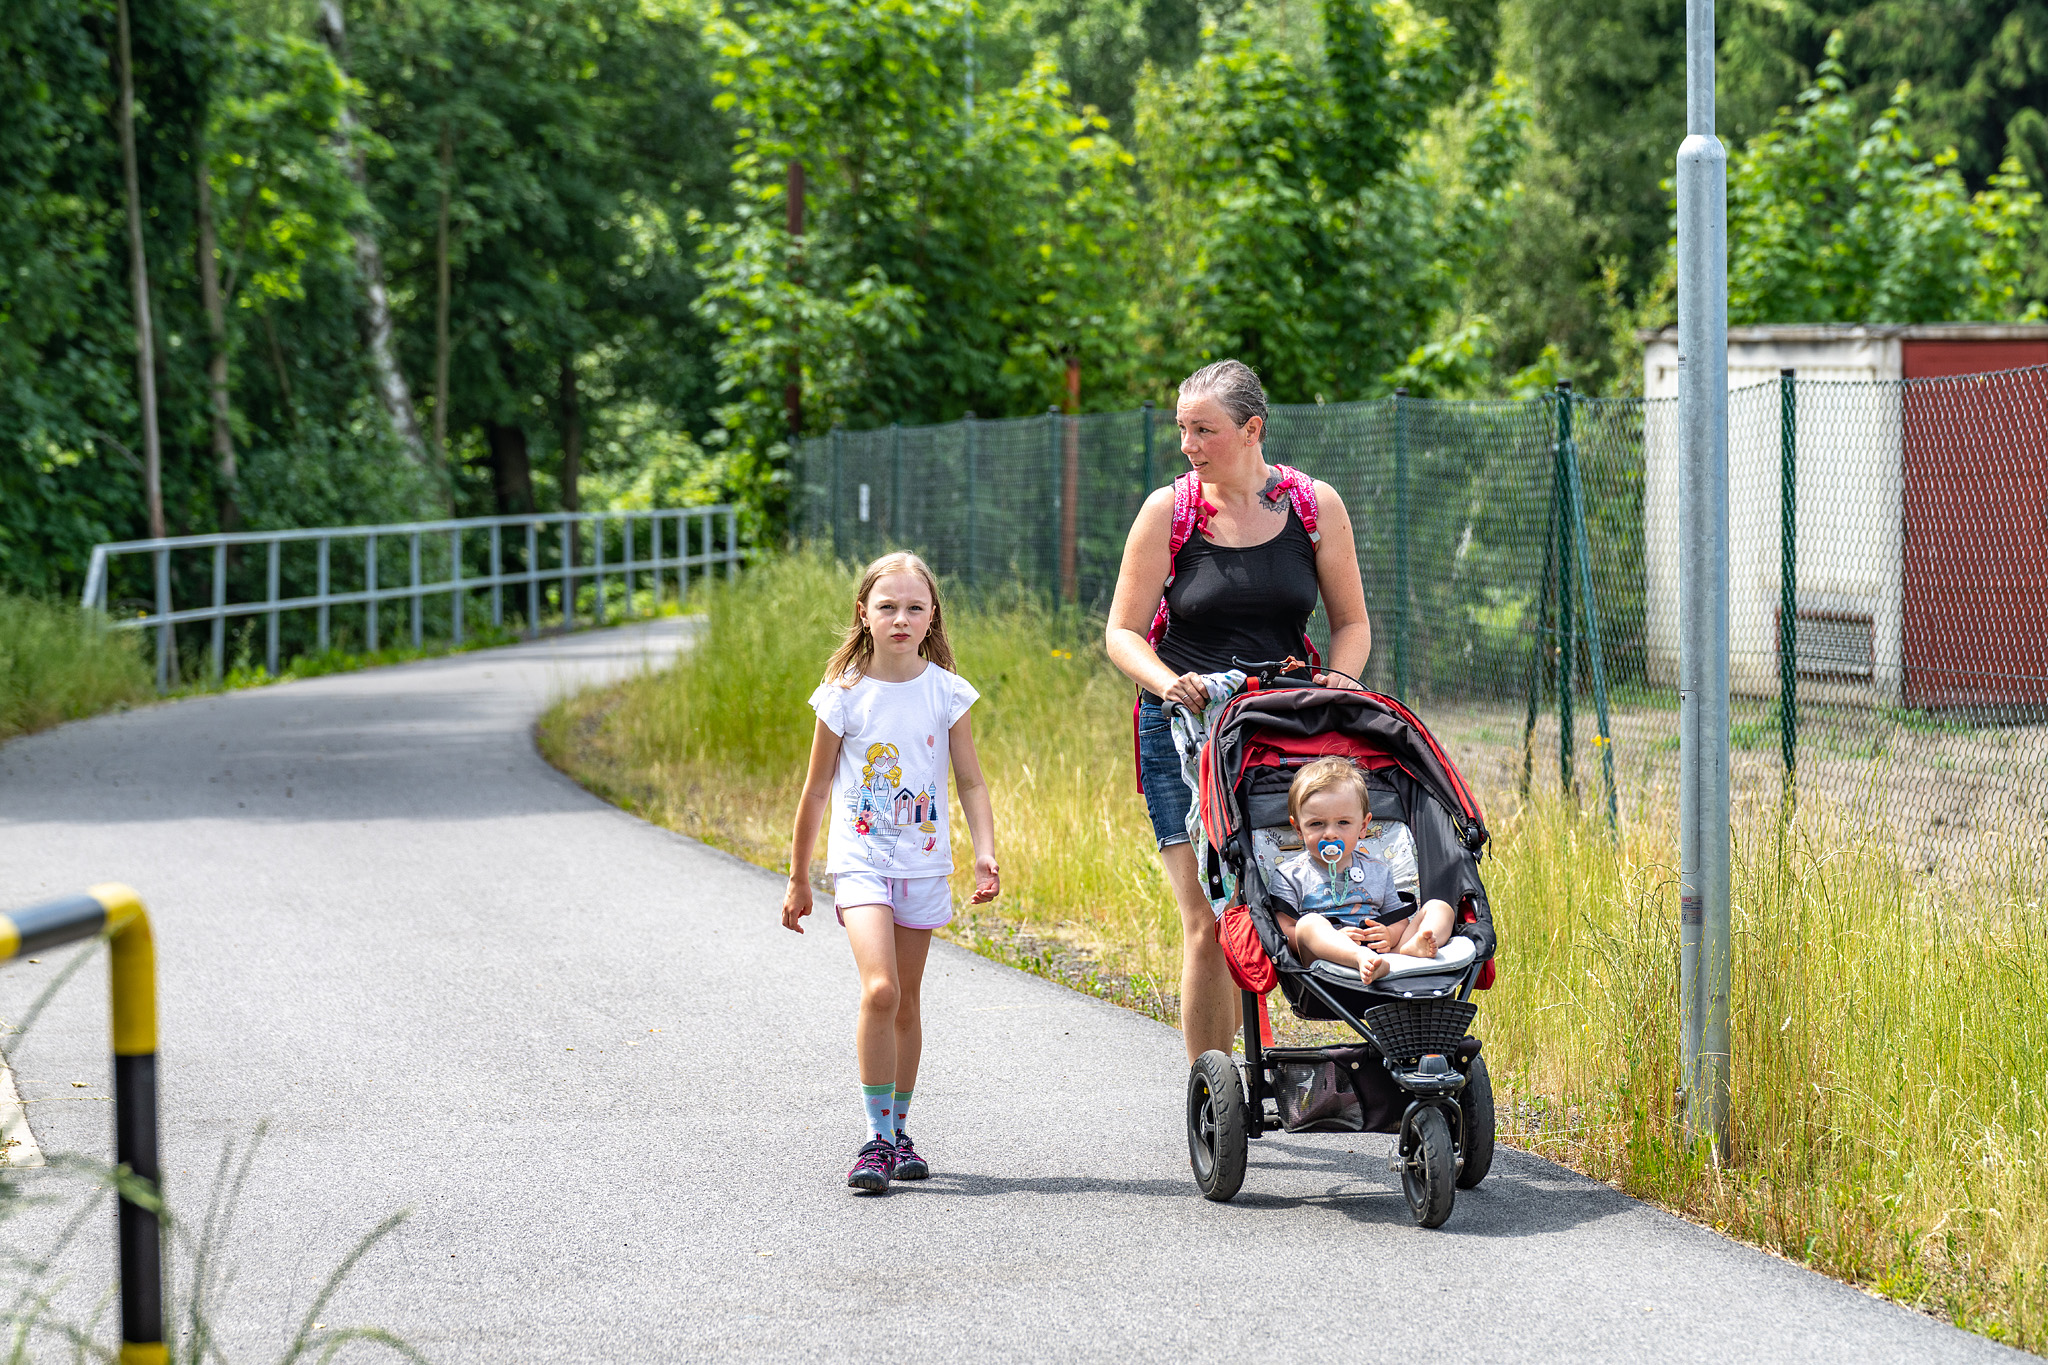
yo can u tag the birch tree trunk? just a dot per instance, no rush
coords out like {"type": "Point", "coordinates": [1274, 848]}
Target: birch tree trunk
{"type": "Point", "coordinates": [217, 341]}
{"type": "Point", "coordinates": [138, 274]}
{"type": "Point", "coordinates": [392, 389]}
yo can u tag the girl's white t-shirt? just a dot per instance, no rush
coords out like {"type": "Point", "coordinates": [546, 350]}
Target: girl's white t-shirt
{"type": "Point", "coordinates": [889, 796]}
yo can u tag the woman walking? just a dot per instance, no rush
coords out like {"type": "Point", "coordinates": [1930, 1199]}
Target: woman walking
{"type": "Point", "coordinates": [1241, 586]}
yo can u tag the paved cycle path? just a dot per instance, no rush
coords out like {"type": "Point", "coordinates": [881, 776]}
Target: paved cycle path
{"type": "Point", "coordinates": [619, 1098]}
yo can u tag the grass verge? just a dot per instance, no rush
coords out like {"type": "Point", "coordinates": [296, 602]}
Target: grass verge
{"type": "Point", "coordinates": [58, 663]}
{"type": "Point", "coordinates": [1890, 1032]}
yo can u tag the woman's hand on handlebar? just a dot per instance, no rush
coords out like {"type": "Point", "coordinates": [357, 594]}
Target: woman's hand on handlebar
{"type": "Point", "coordinates": [1337, 680]}
{"type": "Point", "coordinates": [1188, 690]}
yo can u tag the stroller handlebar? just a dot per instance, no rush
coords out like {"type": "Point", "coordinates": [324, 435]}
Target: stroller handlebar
{"type": "Point", "coordinates": [1270, 671]}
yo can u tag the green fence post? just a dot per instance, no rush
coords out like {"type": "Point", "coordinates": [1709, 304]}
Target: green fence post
{"type": "Point", "coordinates": [1401, 604]}
{"type": "Point", "coordinates": [967, 436]}
{"type": "Point", "coordinates": [1788, 580]}
{"type": "Point", "coordinates": [1567, 646]}
{"type": "Point", "coordinates": [1148, 446]}
{"type": "Point", "coordinates": [833, 454]}
{"type": "Point", "coordinates": [1056, 523]}
{"type": "Point", "coordinates": [1577, 492]}
{"type": "Point", "coordinates": [896, 517]}
{"type": "Point", "coordinates": [1540, 635]}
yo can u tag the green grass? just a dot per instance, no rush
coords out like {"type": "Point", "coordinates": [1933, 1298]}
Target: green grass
{"type": "Point", "coordinates": [58, 663]}
{"type": "Point", "coordinates": [1891, 1033]}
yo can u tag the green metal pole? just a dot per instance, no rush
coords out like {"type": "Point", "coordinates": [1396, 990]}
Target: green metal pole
{"type": "Point", "coordinates": [1053, 477]}
{"type": "Point", "coordinates": [967, 435]}
{"type": "Point", "coordinates": [894, 525]}
{"type": "Point", "coordinates": [1401, 605]}
{"type": "Point", "coordinates": [1541, 634]}
{"type": "Point", "coordinates": [1788, 579]}
{"type": "Point", "coordinates": [1567, 646]}
{"type": "Point", "coordinates": [1148, 445]}
{"type": "Point", "coordinates": [832, 440]}
{"type": "Point", "coordinates": [1605, 743]}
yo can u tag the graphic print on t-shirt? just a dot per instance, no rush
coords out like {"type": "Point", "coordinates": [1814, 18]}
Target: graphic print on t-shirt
{"type": "Point", "coordinates": [886, 814]}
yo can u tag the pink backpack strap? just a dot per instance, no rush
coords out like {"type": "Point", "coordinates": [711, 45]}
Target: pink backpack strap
{"type": "Point", "coordinates": [1191, 512]}
{"type": "Point", "coordinates": [1301, 491]}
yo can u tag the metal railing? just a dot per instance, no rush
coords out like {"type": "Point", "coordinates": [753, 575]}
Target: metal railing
{"type": "Point", "coordinates": [441, 561]}
{"type": "Point", "coordinates": [117, 912]}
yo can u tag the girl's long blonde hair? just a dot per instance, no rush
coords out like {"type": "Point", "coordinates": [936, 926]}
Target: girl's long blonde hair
{"type": "Point", "coordinates": [849, 662]}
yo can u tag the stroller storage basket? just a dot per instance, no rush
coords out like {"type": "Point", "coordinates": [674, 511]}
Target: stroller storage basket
{"type": "Point", "coordinates": [1407, 1030]}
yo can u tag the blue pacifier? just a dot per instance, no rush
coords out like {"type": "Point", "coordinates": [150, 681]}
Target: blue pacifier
{"type": "Point", "coordinates": [1330, 851]}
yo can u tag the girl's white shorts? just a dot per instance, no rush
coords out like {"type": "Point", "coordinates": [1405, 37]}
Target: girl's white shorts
{"type": "Point", "coordinates": [915, 902]}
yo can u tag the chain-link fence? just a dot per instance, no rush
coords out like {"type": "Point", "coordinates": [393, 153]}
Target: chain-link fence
{"type": "Point", "coordinates": [1888, 570]}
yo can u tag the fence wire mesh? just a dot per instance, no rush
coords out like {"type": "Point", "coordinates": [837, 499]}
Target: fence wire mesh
{"type": "Point", "coordinates": [1888, 574]}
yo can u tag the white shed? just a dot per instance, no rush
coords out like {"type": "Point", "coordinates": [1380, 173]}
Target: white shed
{"type": "Point", "coordinates": [1852, 468]}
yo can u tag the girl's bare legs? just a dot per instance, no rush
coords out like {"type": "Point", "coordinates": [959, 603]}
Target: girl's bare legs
{"type": "Point", "coordinates": [1315, 937]}
{"type": "Point", "coordinates": [1428, 930]}
{"type": "Point", "coordinates": [913, 946]}
{"type": "Point", "coordinates": [1208, 997]}
{"type": "Point", "coordinates": [889, 1039]}
{"type": "Point", "coordinates": [871, 930]}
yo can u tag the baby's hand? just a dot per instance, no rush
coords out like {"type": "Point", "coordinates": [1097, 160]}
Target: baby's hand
{"type": "Point", "coordinates": [1379, 937]}
{"type": "Point", "coordinates": [1355, 935]}
{"type": "Point", "coordinates": [796, 903]}
{"type": "Point", "coordinates": [988, 881]}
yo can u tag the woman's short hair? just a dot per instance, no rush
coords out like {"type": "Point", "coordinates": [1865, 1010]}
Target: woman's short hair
{"type": "Point", "coordinates": [1322, 775]}
{"type": "Point", "coordinates": [1231, 383]}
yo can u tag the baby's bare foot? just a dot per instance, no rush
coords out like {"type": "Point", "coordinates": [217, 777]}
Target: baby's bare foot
{"type": "Point", "coordinates": [1422, 945]}
{"type": "Point", "coordinates": [1371, 968]}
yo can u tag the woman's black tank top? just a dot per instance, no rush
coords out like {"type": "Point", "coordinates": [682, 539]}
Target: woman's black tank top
{"type": "Point", "coordinates": [1226, 604]}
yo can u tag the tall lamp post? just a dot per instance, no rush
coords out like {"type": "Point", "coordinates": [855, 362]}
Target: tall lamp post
{"type": "Point", "coordinates": [1703, 842]}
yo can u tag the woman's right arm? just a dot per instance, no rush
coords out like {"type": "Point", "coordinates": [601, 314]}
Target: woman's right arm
{"type": "Point", "coordinates": [1139, 583]}
{"type": "Point", "coordinates": [810, 818]}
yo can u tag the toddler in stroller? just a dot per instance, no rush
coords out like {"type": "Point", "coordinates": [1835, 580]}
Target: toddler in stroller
{"type": "Point", "coordinates": [1334, 901]}
{"type": "Point", "coordinates": [1416, 1071]}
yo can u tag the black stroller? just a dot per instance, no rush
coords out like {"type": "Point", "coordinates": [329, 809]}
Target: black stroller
{"type": "Point", "coordinates": [1418, 1072]}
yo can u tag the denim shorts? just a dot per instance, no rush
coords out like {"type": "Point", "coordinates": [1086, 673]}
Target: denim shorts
{"type": "Point", "coordinates": [1167, 797]}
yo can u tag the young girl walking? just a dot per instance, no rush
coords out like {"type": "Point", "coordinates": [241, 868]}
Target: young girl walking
{"type": "Point", "coordinates": [892, 715]}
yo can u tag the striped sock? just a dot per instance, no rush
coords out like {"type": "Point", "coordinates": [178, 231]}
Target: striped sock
{"type": "Point", "coordinates": [877, 1098]}
{"type": "Point", "coordinates": [902, 1108]}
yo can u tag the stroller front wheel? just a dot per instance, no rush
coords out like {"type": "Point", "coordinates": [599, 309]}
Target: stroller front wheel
{"type": "Point", "coordinates": [1216, 1126]}
{"type": "Point", "coordinates": [1430, 1169]}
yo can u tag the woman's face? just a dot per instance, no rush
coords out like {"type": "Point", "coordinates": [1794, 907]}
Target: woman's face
{"type": "Point", "coordinates": [1209, 438]}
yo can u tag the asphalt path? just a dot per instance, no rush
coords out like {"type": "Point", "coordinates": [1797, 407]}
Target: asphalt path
{"type": "Point", "coordinates": [620, 1100]}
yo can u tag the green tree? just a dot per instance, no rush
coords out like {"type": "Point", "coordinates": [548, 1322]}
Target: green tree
{"type": "Point", "coordinates": [1830, 224]}
{"type": "Point", "coordinates": [949, 262]}
{"type": "Point", "coordinates": [1296, 222]}
{"type": "Point", "coordinates": [546, 153]}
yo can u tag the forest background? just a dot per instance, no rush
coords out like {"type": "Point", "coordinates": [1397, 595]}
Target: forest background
{"type": "Point", "coordinates": [400, 258]}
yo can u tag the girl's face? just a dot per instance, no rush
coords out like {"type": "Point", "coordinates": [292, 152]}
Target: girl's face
{"type": "Point", "coordinates": [1209, 438]}
{"type": "Point", "coordinates": [1332, 813]}
{"type": "Point", "coordinates": [898, 613]}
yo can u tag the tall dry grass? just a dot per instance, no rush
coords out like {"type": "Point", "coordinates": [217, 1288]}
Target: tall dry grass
{"type": "Point", "coordinates": [1890, 1033]}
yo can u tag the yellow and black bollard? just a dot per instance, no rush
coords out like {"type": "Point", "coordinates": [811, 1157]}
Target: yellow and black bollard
{"type": "Point", "coordinates": [116, 911]}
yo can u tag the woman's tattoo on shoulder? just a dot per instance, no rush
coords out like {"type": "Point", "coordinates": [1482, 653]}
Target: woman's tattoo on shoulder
{"type": "Point", "coordinates": [1270, 494]}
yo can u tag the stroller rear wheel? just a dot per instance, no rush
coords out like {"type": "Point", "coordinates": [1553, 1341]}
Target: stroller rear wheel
{"type": "Point", "coordinates": [1216, 1126]}
{"type": "Point", "coordinates": [1475, 1102]}
{"type": "Point", "coordinates": [1430, 1168]}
